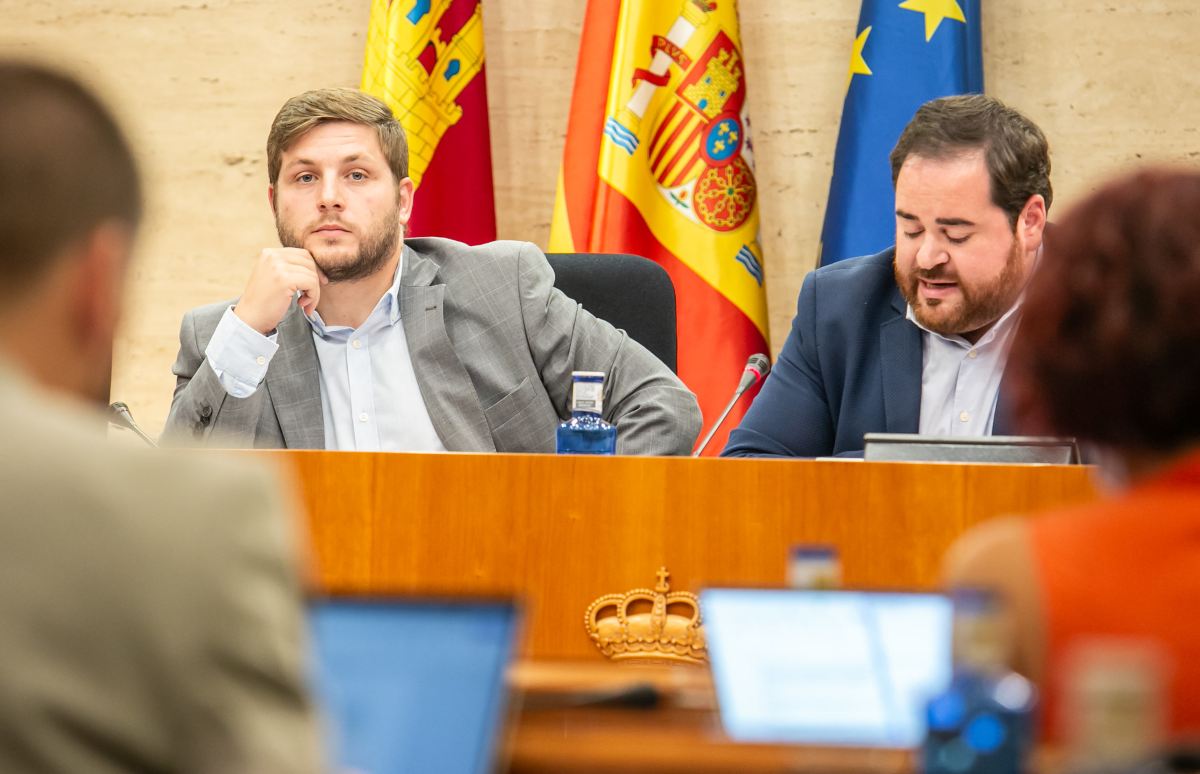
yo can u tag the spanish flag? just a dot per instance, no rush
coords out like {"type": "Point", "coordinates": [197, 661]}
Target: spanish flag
{"type": "Point", "coordinates": [658, 162]}
{"type": "Point", "coordinates": [425, 60]}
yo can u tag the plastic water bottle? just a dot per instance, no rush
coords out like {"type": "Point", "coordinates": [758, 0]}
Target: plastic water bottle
{"type": "Point", "coordinates": [813, 566]}
{"type": "Point", "coordinates": [984, 722]}
{"type": "Point", "coordinates": [1113, 713]}
{"type": "Point", "coordinates": [586, 432]}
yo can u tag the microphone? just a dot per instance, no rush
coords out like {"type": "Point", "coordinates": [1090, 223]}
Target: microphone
{"type": "Point", "coordinates": [757, 367]}
{"type": "Point", "coordinates": [118, 414]}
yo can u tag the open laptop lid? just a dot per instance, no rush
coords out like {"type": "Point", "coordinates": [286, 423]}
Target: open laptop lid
{"type": "Point", "coordinates": [830, 668]}
{"type": "Point", "coordinates": [412, 685]}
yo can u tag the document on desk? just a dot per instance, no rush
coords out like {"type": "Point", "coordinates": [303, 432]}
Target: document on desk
{"type": "Point", "coordinates": [834, 668]}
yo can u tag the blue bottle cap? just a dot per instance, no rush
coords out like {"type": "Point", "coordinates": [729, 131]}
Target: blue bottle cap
{"type": "Point", "coordinates": [813, 551]}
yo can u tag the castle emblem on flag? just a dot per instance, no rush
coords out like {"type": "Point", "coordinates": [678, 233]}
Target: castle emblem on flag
{"type": "Point", "coordinates": [696, 146]}
{"type": "Point", "coordinates": [443, 54]}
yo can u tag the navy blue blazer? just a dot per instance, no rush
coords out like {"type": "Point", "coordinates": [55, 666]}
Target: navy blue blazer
{"type": "Point", "coordinates": [851, 365]}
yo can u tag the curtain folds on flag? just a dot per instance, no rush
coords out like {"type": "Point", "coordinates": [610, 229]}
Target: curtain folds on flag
{"type": "Point", "coordinates": [904, 54]}
{"type": "Point", "coordinates": [658, 163]}
{"type": "Point", "coordinates": [425, 60]}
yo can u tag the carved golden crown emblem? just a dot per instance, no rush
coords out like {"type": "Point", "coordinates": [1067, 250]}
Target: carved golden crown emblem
{"type": "Point", "coordinates": [648, 625]}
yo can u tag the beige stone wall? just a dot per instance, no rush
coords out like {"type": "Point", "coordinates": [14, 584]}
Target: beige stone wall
{"type": "Point", "coordinates": [198, 81]}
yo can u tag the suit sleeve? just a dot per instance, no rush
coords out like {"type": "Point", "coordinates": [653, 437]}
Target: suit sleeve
{"type": "Point", "coordinates": [200, 396]}
{"type": "Point", "coordinates": [249, 705]}
{"type": "Point", "coordinates": [654, 412]}
{"type": "Point", "coordinates": [791, 416]}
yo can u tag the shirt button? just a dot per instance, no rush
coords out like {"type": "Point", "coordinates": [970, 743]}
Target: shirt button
{"type": "Point", "coordinates": [362, 417]}
{"type": "Point", "coordinates": [356, 344]}
{"type": "Point", "coordinates": [260, 360]}
{"type": "Point", "coordinates": [973, 354]}
{"type": "Point", "coordinates": [963, 417]}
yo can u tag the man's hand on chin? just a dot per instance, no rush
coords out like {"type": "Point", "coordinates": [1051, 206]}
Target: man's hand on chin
{"type": "Point", "coordinates": [278, 274]}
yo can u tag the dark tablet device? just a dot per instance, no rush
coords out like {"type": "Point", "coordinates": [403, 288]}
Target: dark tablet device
{"type": "Point", "coordinates": [412, 685]}
{"type": "Point", "coordinates": [1005, 449]}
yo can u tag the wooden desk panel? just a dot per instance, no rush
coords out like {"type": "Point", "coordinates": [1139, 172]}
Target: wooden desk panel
{"type": "Point", "coordinates": [561, 531]}
{"type": "Point", "coordinates": [681, 735]}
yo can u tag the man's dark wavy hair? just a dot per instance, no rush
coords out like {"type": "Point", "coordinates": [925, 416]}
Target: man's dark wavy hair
{"type": "Point", "coordinates": [1016, 152]}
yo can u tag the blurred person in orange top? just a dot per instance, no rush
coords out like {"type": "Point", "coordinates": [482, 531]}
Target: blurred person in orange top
{"type": "Point", "coordinates": [1109, 352]}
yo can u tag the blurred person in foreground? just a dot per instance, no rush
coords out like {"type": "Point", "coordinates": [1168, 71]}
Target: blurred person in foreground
{"type": "Point", "coordinates": [150, 607]}
{"type": "Point", "coordinates": [351, 337]}
{"type": "Point", "coordinates": [1108, 352]}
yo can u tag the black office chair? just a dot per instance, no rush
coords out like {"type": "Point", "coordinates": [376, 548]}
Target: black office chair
{"type": "Point", "coordinates": [631, 292]}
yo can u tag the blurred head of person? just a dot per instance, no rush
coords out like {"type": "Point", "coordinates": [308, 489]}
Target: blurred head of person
{"type": "Point", "coordinates": [70, 202]}
{"type": "Point", "coordinates": [1107, 350]}
{"type": "Point", "coordinates": [337, 161]}
{"type": "Point", "coordinates": [972, 180]}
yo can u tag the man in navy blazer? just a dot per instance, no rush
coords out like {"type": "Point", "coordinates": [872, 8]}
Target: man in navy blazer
{"type": "Point", "coordinates": [914, 339]}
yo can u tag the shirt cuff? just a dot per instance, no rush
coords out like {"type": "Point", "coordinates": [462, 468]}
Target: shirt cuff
{"type": "Point", "coordinates": [239, 355]}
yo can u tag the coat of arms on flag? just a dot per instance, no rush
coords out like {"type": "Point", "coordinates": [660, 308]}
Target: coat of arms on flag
{"type": "Point", "coordinates": [697, 141]}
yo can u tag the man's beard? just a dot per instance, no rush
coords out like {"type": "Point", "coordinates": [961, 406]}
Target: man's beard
{"type": "Point", "coordinates": [980, 306]}
{"type": "Point", "coordinates": [374, 250]}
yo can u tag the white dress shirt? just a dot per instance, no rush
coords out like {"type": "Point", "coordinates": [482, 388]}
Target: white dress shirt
{"type": "Point", "coordinates": [370, 400]}
{"type": "Point", "coordinates": [960, 381]}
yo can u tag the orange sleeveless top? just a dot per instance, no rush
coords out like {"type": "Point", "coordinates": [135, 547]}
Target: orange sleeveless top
{"type": "Point", "coordinates": [1130, 567]}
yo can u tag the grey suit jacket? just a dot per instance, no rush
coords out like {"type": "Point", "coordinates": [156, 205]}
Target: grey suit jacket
{"type": "Point", "coordinates": [493, 345]}
{"type": "Point", "coordinates": [151, 613]}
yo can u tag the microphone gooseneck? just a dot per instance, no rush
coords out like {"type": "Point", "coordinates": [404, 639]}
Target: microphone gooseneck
{"type": "Point", "coordinates": [757, 368]}
{"type": "Point", "coordinates": [118, 414]}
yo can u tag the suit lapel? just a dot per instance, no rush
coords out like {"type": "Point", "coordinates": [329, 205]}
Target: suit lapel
{"type": "Point", "coordinates": [294, 383]}
{"type": "Point", "coordinates": [1002, 419]}
{"type": "Point", "coordinates": [900, 361]}
{"type": "Point", "coordinates": [445, 385]}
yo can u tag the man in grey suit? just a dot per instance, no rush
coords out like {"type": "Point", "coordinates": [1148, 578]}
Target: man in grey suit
{"type": "Point", "coordinates": [351, 337]}
{"type": "Point", "coordinates": [150, 610]}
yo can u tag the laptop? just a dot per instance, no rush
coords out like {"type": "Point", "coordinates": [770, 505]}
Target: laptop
{"type": "Point", "coordinates": [412, 685]}
{"type": "Point", "coordinates": [827, 668]}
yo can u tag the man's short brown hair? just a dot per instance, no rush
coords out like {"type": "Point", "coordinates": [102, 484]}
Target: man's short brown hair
{"type": "Point", "coordinates": [1015, 150]}
{"type": "Point", "coordinates": [65, 168]}
{"type": "Point", "coordinates": [301, 114]}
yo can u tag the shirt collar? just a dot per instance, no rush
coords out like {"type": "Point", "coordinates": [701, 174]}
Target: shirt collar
{"type": "Point", "coordinates": [389, 303]}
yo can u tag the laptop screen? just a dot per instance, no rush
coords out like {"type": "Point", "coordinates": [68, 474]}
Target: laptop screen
{"type": "Point", "coordinates": [412, 686]}
{"type": "Point", "coordinates": [827, 667]}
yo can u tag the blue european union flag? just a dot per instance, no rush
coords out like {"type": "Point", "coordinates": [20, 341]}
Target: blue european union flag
{"type": "Point", "coordinates": [906, 53]}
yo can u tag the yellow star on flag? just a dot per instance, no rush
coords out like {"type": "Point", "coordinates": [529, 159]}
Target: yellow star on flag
{"type": "Point", "coordinates": [858, 65]}
{"type": "Point", "coordinates": [935, 11]}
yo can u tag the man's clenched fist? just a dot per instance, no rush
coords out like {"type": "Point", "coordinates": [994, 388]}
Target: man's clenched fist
{"type": "Point", "coordinates": [278, 275]}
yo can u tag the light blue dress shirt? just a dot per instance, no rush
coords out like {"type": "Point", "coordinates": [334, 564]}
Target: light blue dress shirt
{"type": "Point", "coordinates": [370, 400]}
{"type": "Point", "coordinates": [960, 381]}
